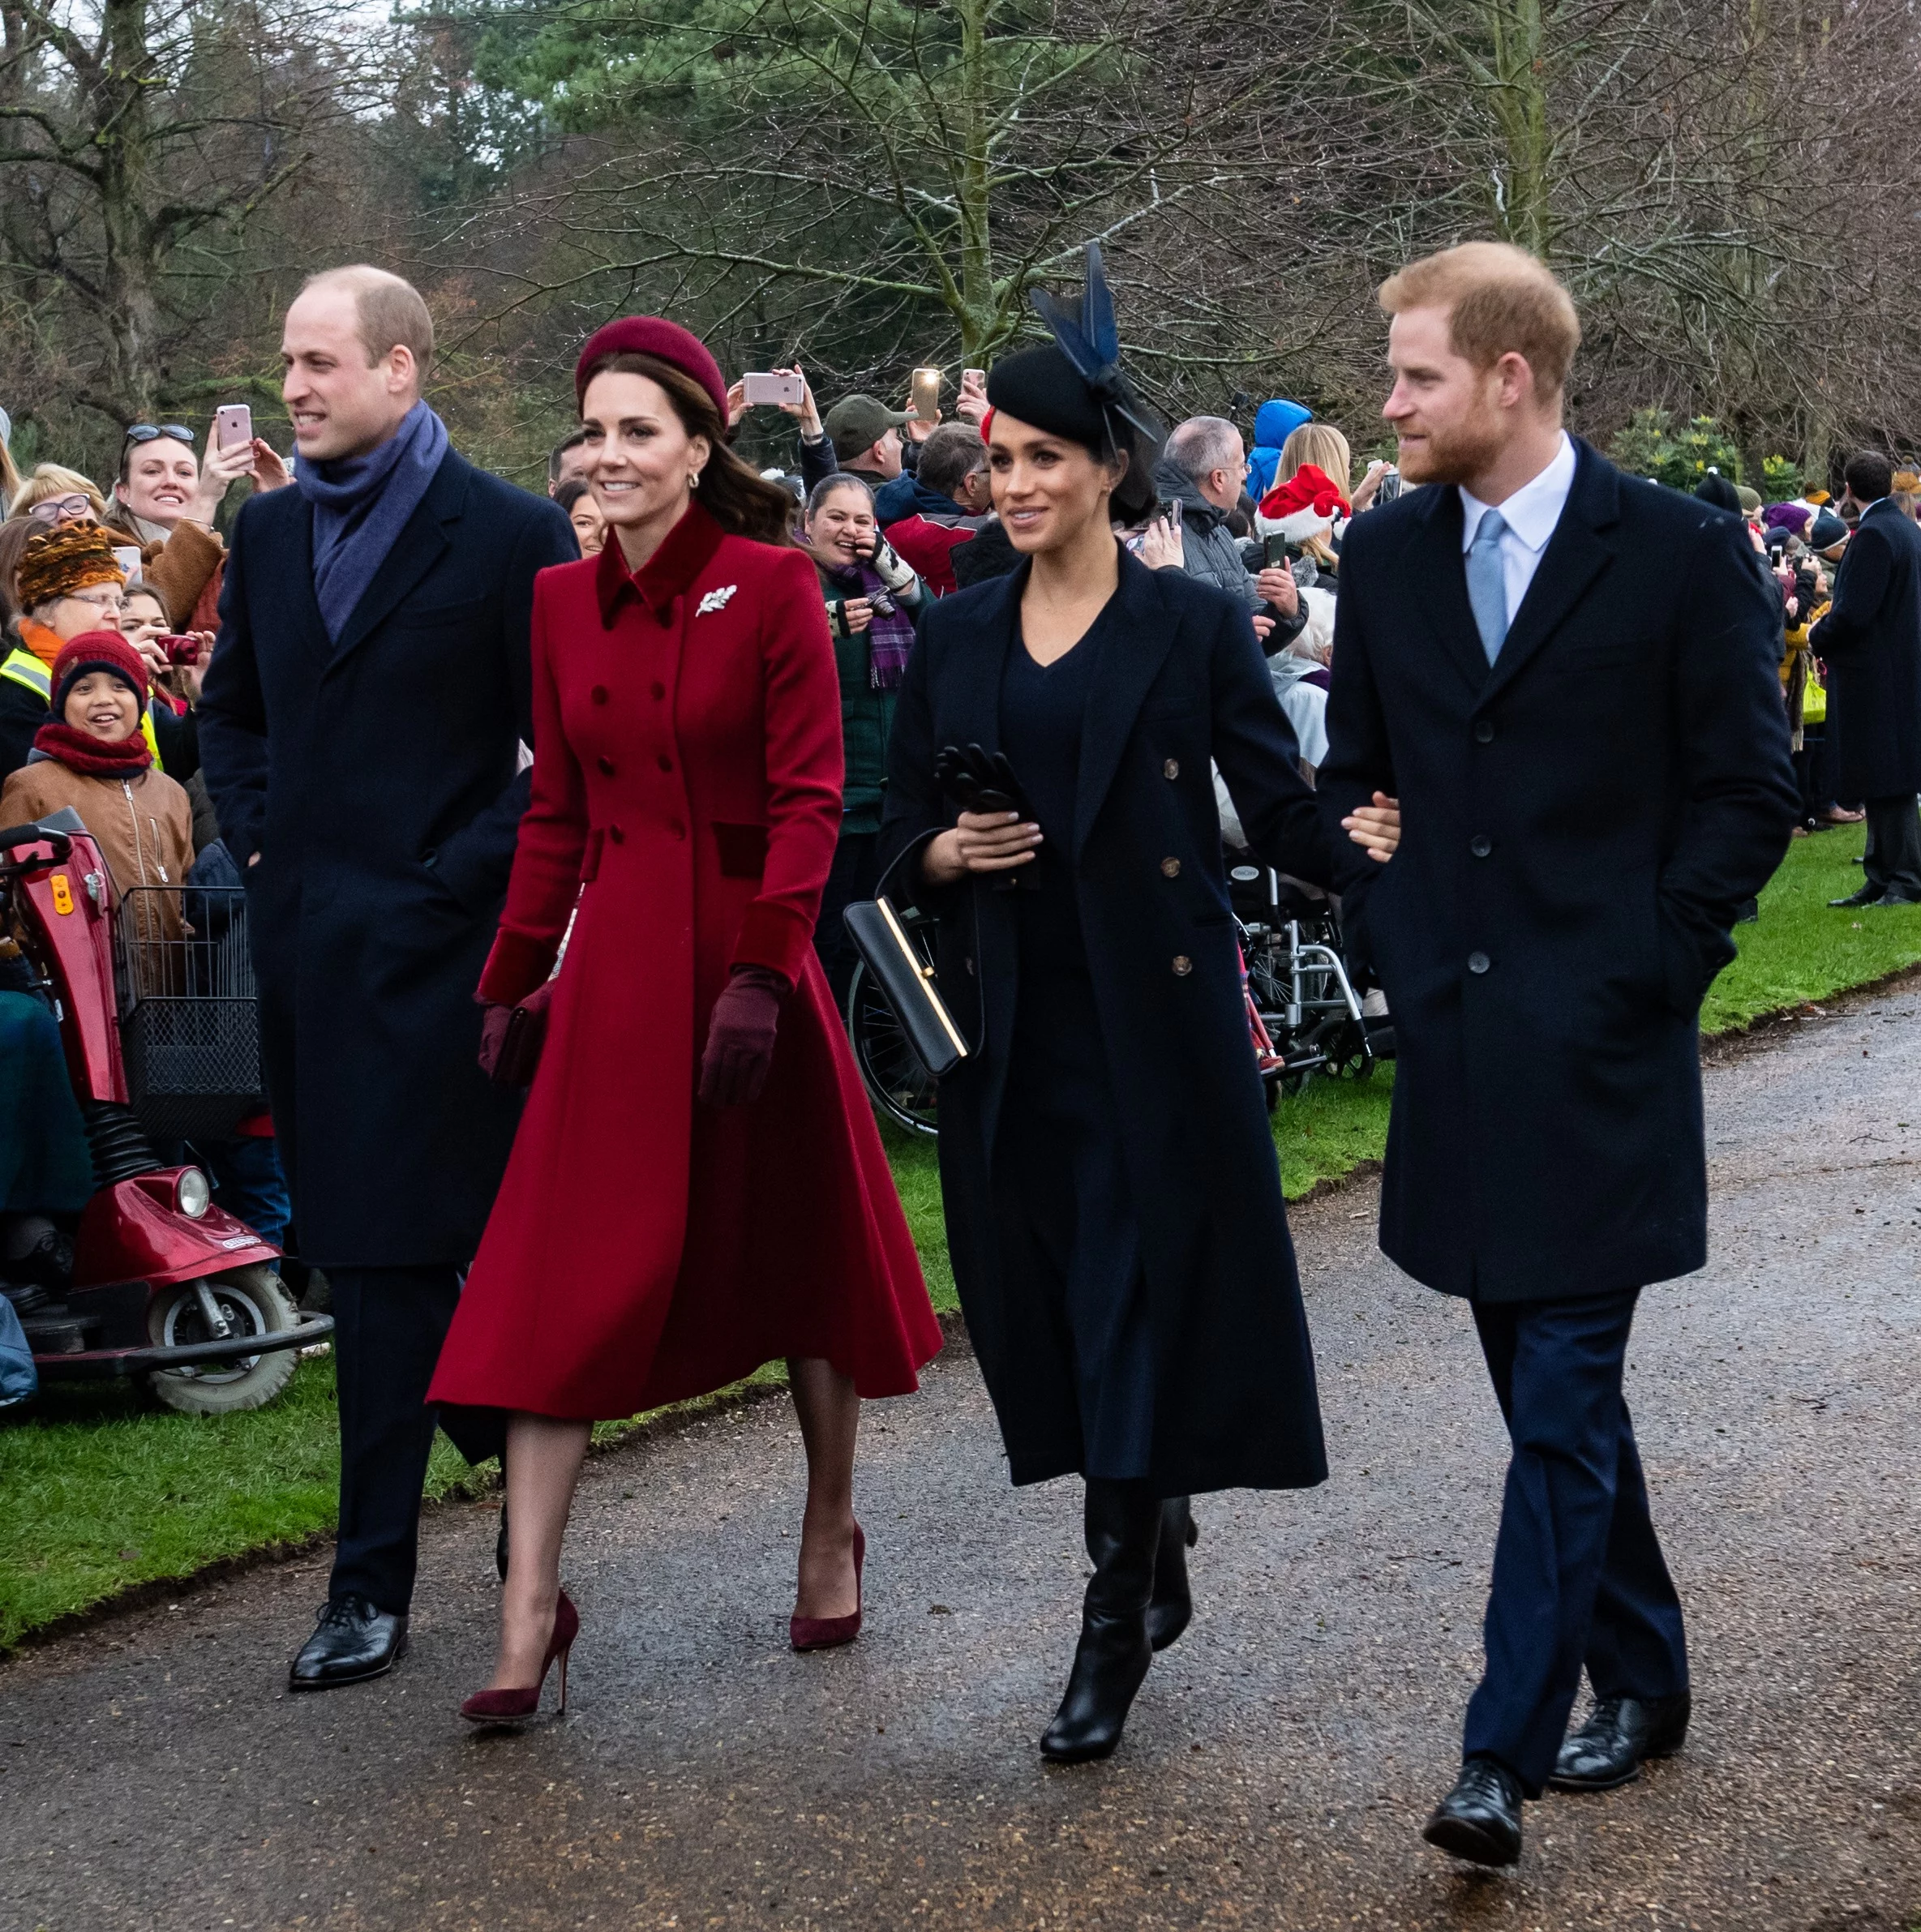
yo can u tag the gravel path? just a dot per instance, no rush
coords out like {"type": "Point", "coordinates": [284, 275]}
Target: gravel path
{"type": "Point", "coordinates": [1280, 1760]}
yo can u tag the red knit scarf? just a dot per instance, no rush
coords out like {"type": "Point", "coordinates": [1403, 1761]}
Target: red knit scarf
{"type": "Point", "coordinates": [82, 751]}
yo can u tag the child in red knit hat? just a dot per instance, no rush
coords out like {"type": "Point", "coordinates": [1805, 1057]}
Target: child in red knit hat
{"type": "Point", "coordinates": [93, 757]}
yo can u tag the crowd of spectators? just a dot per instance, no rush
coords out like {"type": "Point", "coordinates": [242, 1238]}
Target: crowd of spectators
{"type": "Point", "coordinates": [108, 604]}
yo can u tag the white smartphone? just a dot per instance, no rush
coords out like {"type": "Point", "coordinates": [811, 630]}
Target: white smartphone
{"type": "Point", "coordinates": [233, 425]}
{"type": "Point", "coordinates": [774, 386]}
{"type": "Point", "coordinates": [127, 556]}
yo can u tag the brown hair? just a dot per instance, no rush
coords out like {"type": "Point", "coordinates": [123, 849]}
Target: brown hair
{"type": "Point", "coordinates": [739, 499]}
{"type": "Point", "coordinates": [1500, 301]}
{"type": "Point", "coordinates": [14, 534]}
{"type": "Point", "coordinates": [53, 479]}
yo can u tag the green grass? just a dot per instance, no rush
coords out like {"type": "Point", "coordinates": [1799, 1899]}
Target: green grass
{"type": "Point", "coordinates": [98, 1495]}
{"type": "Point", "coordinates": [1801, 949]}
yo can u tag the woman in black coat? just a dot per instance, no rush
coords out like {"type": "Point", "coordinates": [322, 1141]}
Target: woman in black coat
{"type": "Point", "coordinates": [1112, 1201]}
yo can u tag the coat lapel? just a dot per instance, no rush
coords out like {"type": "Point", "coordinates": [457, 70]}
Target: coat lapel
{"type": "Point", "coordinates": [1576, 554]}
{"type": "Point", "coordinates": [972, 684]}
{"type": "Point", "coordinates": [1436, 574]}
{"type": "Point", "coordinates": [425, 538]}
{"type": "Point", "coordinates": [1132, 654]}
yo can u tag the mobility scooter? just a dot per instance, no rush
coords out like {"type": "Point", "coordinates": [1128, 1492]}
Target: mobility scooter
{"type": "Point", "coordinates": [159, 1023]}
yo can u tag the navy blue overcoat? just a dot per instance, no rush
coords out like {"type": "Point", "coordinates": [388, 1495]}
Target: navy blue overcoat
{"type": "Point", "coordinates": [1180, 682]}
{"type": "Point", "coordinates": [376, 778]}
{"type": "Point", "coordinates": [1871, 642]}
{"type": "Point", "coordinates": [1581, 824]}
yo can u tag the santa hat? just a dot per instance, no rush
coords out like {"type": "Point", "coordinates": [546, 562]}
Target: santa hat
{"type": "Point", "coordinates": [1304, 506]}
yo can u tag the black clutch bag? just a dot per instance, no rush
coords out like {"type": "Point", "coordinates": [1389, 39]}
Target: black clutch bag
{"type": "Point", "coordinates": [906, 982]}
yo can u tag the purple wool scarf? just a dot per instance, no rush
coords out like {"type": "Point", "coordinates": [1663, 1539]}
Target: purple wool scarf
{"type": "Point", "coordinates": [361, 504]}
{"type": "Point", "coordinates": [890, 636]}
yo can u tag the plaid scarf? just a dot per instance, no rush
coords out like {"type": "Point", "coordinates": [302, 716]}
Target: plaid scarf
{"type": "Point", "coordinates": [891, 637]}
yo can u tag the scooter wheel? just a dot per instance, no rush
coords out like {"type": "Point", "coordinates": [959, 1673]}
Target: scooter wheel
{"type": "Point", "coordinates": [251, 1299]}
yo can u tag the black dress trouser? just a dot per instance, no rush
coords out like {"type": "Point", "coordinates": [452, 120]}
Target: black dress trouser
{"type": "Point", "coordinates": [1894, 861]}
{"type": "Point", "coordinates": [389, 1324]}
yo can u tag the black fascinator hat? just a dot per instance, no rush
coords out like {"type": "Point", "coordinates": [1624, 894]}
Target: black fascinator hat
{"type": "Point", "coordinates": [1075, 388]}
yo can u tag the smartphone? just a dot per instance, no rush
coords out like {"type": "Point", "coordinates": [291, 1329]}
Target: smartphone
{"type": "Point", "coordinates": [1390, 486]}
{"type": "Point", "coordinates": [773, 386]}
{"type": "Point", "coordinates": [233, 425]}
{"type": "Point", "coordinates": [127, 556]}
{"type": "Point", "coordinates": [974, 378]}
{"type": "Point", "coordinates": [1274, 551]}
{"type": "Point", "coordinates": [927, 395]}
{"type": "Point", "coordinates": [1169, 509]}
{"type": "Point", "coordinates": [180, 650]}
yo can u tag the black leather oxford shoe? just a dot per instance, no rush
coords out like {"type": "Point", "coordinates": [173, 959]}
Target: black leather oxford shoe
{"type": "Point", "coordinates": [1620, 1732]}
{"type": "Point", "coordinates": [353, 1641]}
{"type": "Point", "coordinates": [1480, 1820]}
{"type": "Point", "coordinates": [1868, 895]}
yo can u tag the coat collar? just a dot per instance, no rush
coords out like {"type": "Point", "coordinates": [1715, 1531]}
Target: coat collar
{"type": "Point", "coordinates": [1136, 645]}
{"type": "Point", "coordinates": [687, 551]}
{"type": "Point", "coordinates": [1580, 549]}
{"type": "Point", "coordinates": [424, 541]}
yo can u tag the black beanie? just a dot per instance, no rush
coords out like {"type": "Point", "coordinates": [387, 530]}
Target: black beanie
{"type": "Point", "coordinates": [1714, 488]}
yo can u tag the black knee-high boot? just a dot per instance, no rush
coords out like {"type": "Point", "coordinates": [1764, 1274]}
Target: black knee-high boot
{"type": "Point", "coordinates": [1123, 1521]}
{"type": "Point", "coordinates": [1172, 1608]}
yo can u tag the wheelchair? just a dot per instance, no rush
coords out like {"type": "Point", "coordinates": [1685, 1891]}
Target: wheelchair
{"type": "Point", "coordinates": [1304, 1016]}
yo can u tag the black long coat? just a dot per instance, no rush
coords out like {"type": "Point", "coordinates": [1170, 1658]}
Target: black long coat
{"type": "Point", "coordinates": [1871, 641]}
{"type": "Point", "coordinates": [1581, 824]}
{"type": "Point", "coordinates": [1181, 680]}
{"type": "Point", "coordinates": [376, 778]}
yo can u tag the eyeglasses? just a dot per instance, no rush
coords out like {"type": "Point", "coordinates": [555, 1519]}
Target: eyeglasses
{"type": "Point", "coordinates": [61, 509]}
{"type": "Point", "coordinates": [102, 596]}
{"type": "Point", "coordinates": [145, 432]}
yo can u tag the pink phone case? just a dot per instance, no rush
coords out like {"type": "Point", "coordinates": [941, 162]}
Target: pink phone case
{"type": "Point", "coordinates": [233, 424]}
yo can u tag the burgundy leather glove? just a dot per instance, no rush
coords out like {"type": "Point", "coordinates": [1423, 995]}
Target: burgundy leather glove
{"type": "Point", "coordinates": [510, 1037]}
{"type": "Point", "coordinates": [741, 1037]}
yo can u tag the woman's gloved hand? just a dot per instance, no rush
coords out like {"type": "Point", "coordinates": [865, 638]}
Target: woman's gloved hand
{"type": "Point", "coordinates": [888, 566]}
{"type": "Point", "coordinates": [741, 1037]}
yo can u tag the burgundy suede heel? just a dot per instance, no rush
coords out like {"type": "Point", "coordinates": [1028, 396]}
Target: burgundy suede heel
{"type": "Point", "coordinates": [513, 1706]}
{"type": "Point", "coordinates": [824, 1633]}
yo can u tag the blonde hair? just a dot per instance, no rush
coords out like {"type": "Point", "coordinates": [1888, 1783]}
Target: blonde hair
{"type": "Point", "coordinates": [1500, 301]}
{"type": "Point", "coordinates": [1321, 444]}
{"type": "Point", "coordinates": [54, 479]}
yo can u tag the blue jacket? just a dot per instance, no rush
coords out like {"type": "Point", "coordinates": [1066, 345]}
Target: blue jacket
{"type": "Point", "coordinates": [1274, 423]}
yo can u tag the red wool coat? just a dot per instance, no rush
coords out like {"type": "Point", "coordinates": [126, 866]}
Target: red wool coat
{"type": "Point", "coordinates": [687, 783]}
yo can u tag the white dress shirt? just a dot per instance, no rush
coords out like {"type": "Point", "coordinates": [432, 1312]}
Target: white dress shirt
{"type": "Point", "coordinates": [1530, 515]}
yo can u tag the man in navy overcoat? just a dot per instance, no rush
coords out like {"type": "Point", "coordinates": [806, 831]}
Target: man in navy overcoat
{"type": "Point", "coordinates": [1567, 677]}
{"type": "Point", "coordinates": [360, 731]}
{"type": "Point", "coordinates": [1871, 643]}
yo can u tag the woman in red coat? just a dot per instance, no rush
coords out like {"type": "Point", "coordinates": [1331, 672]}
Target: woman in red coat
{"type": "Point", "coordinates": [697, 1186]}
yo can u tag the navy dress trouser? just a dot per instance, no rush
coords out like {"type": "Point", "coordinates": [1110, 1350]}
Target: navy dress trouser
{"type": "Point", "coordinates": [1578, 1573]}
{"type": "Point", "coordinates": [389, 1324]}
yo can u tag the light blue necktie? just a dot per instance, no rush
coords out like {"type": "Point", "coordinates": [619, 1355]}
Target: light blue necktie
{"type": "Point", "coordinates": [1487, 583]}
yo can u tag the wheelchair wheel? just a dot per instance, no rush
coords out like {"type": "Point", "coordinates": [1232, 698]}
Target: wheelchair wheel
{"type": "Point", "coordinates": [1349, 1055]}
{"type": "Point", "coordinates": [895, 1080]}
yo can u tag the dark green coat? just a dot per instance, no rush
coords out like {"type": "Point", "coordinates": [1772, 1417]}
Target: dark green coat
{"type": "Point", "coordinates": [866, 719]}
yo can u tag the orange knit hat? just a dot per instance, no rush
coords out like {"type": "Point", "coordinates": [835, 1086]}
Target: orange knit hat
{"type": "Point", "coordinates": [71, 557]}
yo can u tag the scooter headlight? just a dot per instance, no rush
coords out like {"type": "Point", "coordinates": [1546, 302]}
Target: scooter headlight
{"type": "Point", "coordinates": [191, 1194]}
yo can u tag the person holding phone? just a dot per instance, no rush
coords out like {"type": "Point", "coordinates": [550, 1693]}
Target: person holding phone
{"type": "Point", "coordinates": [788, 391]}
{"type": "Point", "coordinates": [165, 500]}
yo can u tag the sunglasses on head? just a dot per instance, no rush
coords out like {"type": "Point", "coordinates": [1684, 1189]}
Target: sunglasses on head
{"type": "Point", "coordinates": [145, 432]}
{"type": "Point", "coordinates": [52, 509]}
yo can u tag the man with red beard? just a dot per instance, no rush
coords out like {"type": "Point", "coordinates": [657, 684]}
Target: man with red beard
{"type": "Point", "coordinates": [1591, 763]}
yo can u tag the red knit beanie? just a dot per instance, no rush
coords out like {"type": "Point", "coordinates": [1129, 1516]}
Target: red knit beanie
{"type": "Point", "coordinates": [98, 650]}
{"type": "Point", "coordinates": [654, 336]}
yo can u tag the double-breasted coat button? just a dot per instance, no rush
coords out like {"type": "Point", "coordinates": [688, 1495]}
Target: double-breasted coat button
{"type": "Point", "coordinates": [1183, 965]}
{"type": "Point", "coordinates": [1484, 731]}
{"type": "Point", "coordinates": [1170, 868]}
{"type": "Point", "coordinates": [1172, 768]}
{"type": "Point", "coordinates": [617, 835]}
{"type": "Point", "coordinates": [666, 763]}
{"type": "Point", "coordinates": [1478, 963]}
{"type": "Point", "coordinates": [607, 767]}
{"type": "Point", "coordinates": [676, 828]}
{"type": "Point", "coordinates": [600, 694]}
{"type": "Point", "coordinates": [660, 689]}
{"type": "Point", "coordinates": [1481, 845]}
